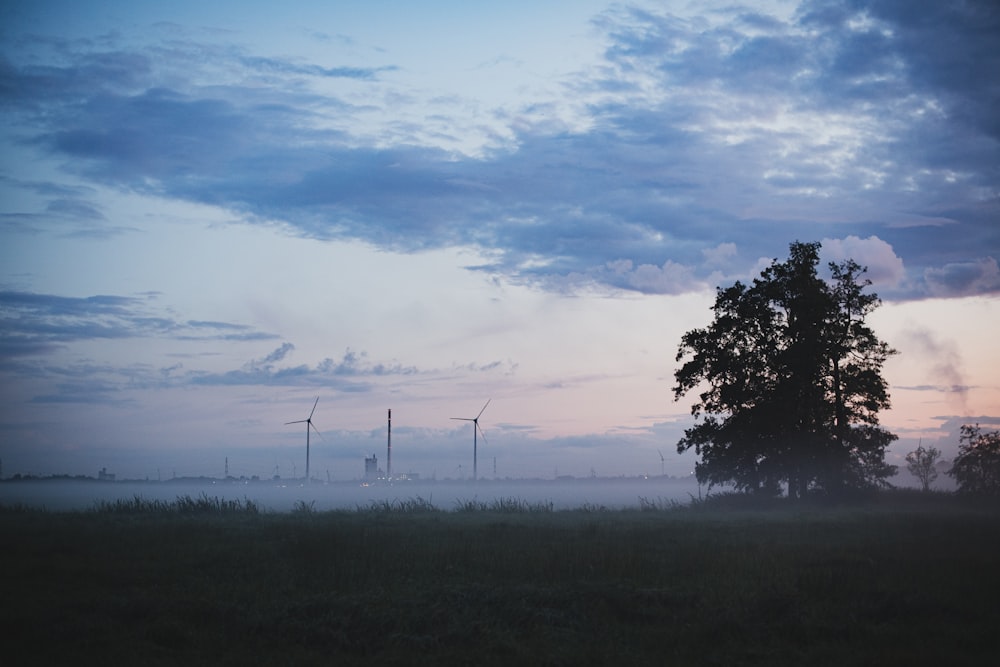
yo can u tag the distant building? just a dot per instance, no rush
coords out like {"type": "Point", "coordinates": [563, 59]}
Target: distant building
{"type": "Point", "coordinates": [371, 468]}
{"type": "Point", "coordinates": [105, 476]}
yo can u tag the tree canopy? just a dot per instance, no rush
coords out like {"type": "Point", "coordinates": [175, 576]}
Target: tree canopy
{"type": "Point", "coordinates": [790, 382]}
{"type": "Point", "coordinates": [977, 466]}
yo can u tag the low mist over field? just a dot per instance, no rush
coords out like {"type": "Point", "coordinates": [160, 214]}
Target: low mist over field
{"type": "Point", "coordinates": [59, 495]}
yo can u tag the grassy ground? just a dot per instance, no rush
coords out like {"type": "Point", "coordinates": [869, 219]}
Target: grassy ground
{"type": "Point", "coordinates": [906, 580]}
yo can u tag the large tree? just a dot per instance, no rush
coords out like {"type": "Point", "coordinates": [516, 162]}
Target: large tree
{"type": "Point", "coordinates": [790, 380]}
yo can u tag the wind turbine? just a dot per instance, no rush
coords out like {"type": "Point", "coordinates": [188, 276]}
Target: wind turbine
{"type": "Point", "coordinates": [475, 428]}
{"type": "Point", "coordinates": [309, 425]}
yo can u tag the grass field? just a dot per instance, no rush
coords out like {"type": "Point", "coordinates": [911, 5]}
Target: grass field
{"type": "Point", "coordinates": [905, 579]}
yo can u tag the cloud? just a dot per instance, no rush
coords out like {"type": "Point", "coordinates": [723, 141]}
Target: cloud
{"type": "Point", "coordinates": [82, 382]}
{"type": "Point", "coordinates": [33, 323]}
{"type": "Point", "coordinates": [356, 364]}
{"type": "Point", "coordinates": [696, 143]}
{"type": "Point", "coordinates": [353, 372]}
{"type": "Point", "coordinates": [75, 208]}
{"type": "Point", "coordinates": [279, 354]}
{"type": "Point", "coordinates": [973, 278]}
{"type": "Point", "coordinates": [508, 367]}
{"type": "Point", "coordinates": [884, 267]}
{"type": "Point", "coordinates": [86, 393]}
{"type": "Point", "coordinates": [936, 388]}
{"type": "Point", "coordinates": [285, 67]}
{"type": "Point", "coordinates": [669, 278]}
{"type": "Point", "coordinates": [720, 255]}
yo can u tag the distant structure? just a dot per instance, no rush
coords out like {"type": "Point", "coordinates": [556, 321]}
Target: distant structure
{"type": "Point", "coordinates": [105, 476]}
{"type": "Point", "coordinates": [371, 468]}
{"type": "Point", "coordinates": [308, 421]}
{"type": "Point", "coordinates": [475, 429]}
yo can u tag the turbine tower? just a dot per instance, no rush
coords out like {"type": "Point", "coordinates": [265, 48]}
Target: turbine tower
{"type": "Point", "coordinates": [475, 428]}
{"type": "Point", "coordinates": [661, 461]}
{"type": "Point", "coordinates": [309, 425]}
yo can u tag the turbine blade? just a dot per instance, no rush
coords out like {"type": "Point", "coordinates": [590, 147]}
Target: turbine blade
{"type": "Point", "coordinates": [481, 432]}
{"type": "Point", "coordinates": [298, 421]}
{"type": "Point", "coordinates": [483, 410]}
{"type": "Point", "coordinates": [314, 408]}
{"type": "Point", "coordinates": [463, 419]}
{"type": "Point", "coordinates": [317, 431]}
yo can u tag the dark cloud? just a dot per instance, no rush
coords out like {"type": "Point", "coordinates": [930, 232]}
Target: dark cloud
{"type": "Point", "coordinates": [76, 209]}
{"type": "Point", "coordinates": [88, 393]}
{"type": "Point", "coordinates": [49, 188]}
{"type": "Point", "coordinates": [980, 276]}
{"type": "Point", "coordinates": [83, 382]}
{"type": "Point", "coordinates": [352, 372]}
{"type": "Point", "coordinates": [948, 50]}
{"type": "Point", "coordinates": [852, 120]}
{"type": "Point", "coordinates": [936, 388]}
{"type": "Point", "coordinates": [110, 384]}
{"type": "Point", "coordinates": [280, 66]}
{"type": "Point", "coordinates": [508, 367]}
{"type": "Point", "coordinates": [32, 324]}
{"type": "Point", "coordinates": [279, 354]}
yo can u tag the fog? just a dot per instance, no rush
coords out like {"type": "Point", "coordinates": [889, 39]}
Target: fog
{"type": "Point", "coordinates": [283, 496]}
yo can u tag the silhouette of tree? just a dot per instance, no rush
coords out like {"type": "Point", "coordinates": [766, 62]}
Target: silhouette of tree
{"type": "Point", "coordinates": [976, 469]}
{"type": "Point", "coordinates": [791, 382]}
{"type": "Point", "coordinates": [921, 464]}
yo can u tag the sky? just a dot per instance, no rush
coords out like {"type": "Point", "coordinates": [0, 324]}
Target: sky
{"type": "Point", "coordinates": [213, 214]}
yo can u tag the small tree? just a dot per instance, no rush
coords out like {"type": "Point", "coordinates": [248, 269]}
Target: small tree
{"type": "Point", "coordinates": [921, 464]}
{"type": "Point", "coordinates": [976, 469]}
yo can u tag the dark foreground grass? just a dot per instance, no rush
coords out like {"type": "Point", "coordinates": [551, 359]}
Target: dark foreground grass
{"type": "Point", "coordinates": [904, 582]}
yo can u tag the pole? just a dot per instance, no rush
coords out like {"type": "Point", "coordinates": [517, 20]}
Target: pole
{"type": "Point", "coordinates": [388, 454]}
{"type": "Point", "coordinates": [308, 424]}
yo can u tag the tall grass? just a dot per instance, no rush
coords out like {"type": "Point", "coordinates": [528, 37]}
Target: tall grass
{"type": "Point", "coordinates": [504, 505]}
{"type": "Point", "coordinates": [415, 505]}
{"type": "Point", "coordinates": [204, 504]}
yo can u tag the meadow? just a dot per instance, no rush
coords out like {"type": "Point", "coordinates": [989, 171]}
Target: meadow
{"type": "Point", "coordinates": [900, 579]}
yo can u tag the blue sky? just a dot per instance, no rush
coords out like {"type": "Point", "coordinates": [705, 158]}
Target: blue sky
{"type": "Point", "coordinates": [212, 213]}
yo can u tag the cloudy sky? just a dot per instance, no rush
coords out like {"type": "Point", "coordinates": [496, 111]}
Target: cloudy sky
{"type": "Point", "coordinates": [213, 213]}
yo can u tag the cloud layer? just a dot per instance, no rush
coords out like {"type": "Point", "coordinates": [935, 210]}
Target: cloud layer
{"type": "Point", "coordinates": [864, 119]}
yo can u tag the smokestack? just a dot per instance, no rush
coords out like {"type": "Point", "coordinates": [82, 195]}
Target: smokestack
{"type": "Point", "coordinates": [388, 454]}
